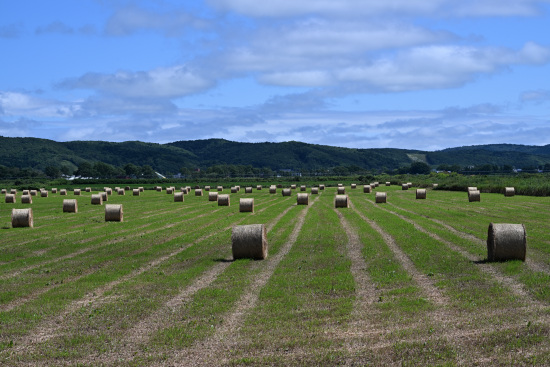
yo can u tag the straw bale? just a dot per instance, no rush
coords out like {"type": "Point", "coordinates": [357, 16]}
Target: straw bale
{"type": "Point", "coordinates": [287, 192]}
{"type": "Point", "coordinates": [405, 186]}
{"type": "Point", "coordinates": [381, 197]}
{"type": "Point", "coordinates": [54, 190]}
{"type": "Point", "coordinates": [178, 196]}
{"type": "Point", "coordinates": [97, 199]}
{"type": "Point", "coordinates": [248, 190]}
{"type": "Point", "coordinates": [246, 205]}
{"type": "Point", "coordinates": [114, 213]}
{"type": "Point", "coordinates": [234, 190]}
{"type": "Point", "coordinates": [474, 195]}
{"type": "Point", "coordinates": [198, 192]}
{"type": "Point", "coordinates": [136, 192]}
{"type": "Point", "coordinates": [341, 201]}
{"type": "Point", "coordinates": [353, 186]}
{"type": "Point", "coordinates": [421, 193]}
{"type": "Point", "coordinates": [223, 200]}
{"type": "Point", "coordinates": [10, 199]}
{"type": "Point", "coordinates": [302, 199]}
{"type": "Point", "coordinates": [273, 190]}
{"type": "Point", "coordinates": [104, 196]}
{"type": "Point", "coordinates": [26, 199]}
{"type": "Point", "coordinates": [367, 189]}
{"type": "Point", "coordinates": [258, 187]}
{"type": "Point", "coordinates": [314, 191]}
{"type": "Point", "coordinates": [63, 192]}
{"type": "Point", "coordinates": [76, 192]}
{"type": "Point", "coordinates": [341, 190]}
{"type": "Point", "coordinates": [506, 241]}
{"type": "Point", "coordinates": [44, 194]}
{"type": "Point", "coordinates": [509, 191]}
{"type": "Point", "coordinates": [22, 218]}
{"type": "Point", "coordinates": [293, 187]}
{"type": "Point", "coordinates": [70, 206]}
{"type": "Point", "coordinates": [302, 187]}
{"type": "Point", "coordinates": [249, 241]}
{"type": "Point", "coordinates": [321, 187]}
{"type": "Point", "coordinates": [213, 196]}
{"type": "Point", "coordinates": [121, 192]}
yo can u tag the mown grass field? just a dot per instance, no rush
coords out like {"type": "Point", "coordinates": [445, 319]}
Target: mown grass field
{"type": "Point", "coordinates": [401, 283]}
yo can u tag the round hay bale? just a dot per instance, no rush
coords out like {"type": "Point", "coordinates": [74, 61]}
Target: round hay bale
{"type": "Point", "coordinates": [246, 205]}
{"type": "Point", "coordinates": [44, 194]}
{"type": "Point", "coordinates": [121, 192]}
{"type": "Point", "coordinates": [434, 186]}
{"type": "Point", "coordinates": [293, 187]}
{"type": "Point", "coordinates": [70, 206]}
{"type": "Point", "coordinates": [506, 242]}
{"type": "Point", "coordinates": [353, 186]}
{"type": "Point", "coordinates": [13, 191]}
{"type": "Point", "coordinates": [341, 201]}
{"type": "Point", "coordinates": [273, 190]}
{"type": "Point", "coordinates": [410, 184]}
{"type": "Point", "coordinates": [258, 187]}
{"type": "Point", "coordinates": [388, 183]}
{"type": "Point", "coordinates": [198, 192]}
{"type": "Point", "coordinates": [220, 188]}
{"type": "Point", "coordinates": [33, 192]}
{"type": "Point", "coordinates": [474, 195]}
{"type": "Point", "coordinates": [381, 197]}
{"type": "Point", "coordinates": [405, 186]}
{"type": "Point", "coordinates": [178, 197]}
{"type": "Point", "coordinates": [10, 199]}
{"type": "Point", "coordinates": [184, 190]}
{"type": "Point", "coordinates": [104, 196]}
{"type": "Point", "coordinates": [25, 192]}
{"type": "Point", "coordinates": [88, 189]}
{"type": "Point", "coordinates": [76, 192]}
{"type": "Point", "coordinates": [341, 190]}
{"type": "Point", "coordinates": [223, 200]}
{"type": "Point", "coordinates": [54, 190]}
{"type": "Point", "coordinates": [136, 192]}
{"type": "Point", "coordinates": [108, 191]}
{"type": "Point", "coordinates": [169, 191]}
{"type": "Point", "coordinates": [238, 188]}
{"type": "Point", "coordinates": [509, 191]}
{"type": "Point", "coordinates": [248, 190]}
{"type": "Point", "coordinates": [63, 192]}
{"type": "Point", "coordinates": [127, 188]}
{"type": "Point", "coordinates": [287, 192]}
{"type": "Point", "coordinates": [249, 241]}
{"type": "Point", "coordinates": [314, 191]}
{"type": "Point", "coordinates": [421, 193]}
{"type": "Point", "coordinates": [234, 190]}
{"type": "Point", "coordinates": [367, 189]}
{"type": "Point", "coordinates": [207, 188]}
{"type": "Point", "coordinates": [213, 196]}
{"type": "Point", "coordinates": [26, 199]}
{"type": "Point", "coordinates": [472, 188]}
{"type": "Point", "coordinates": [97, 199]}
{"type": "Point", "coordinates": [22, 218]}
{"type": "Point", "coordinates": [4, 191]}
{"type": "Point", "coordinates": [302, 187]}
{"type": "Point", "coordinates": [158, 189]}
{"type": "Point", "coordinates": [141, 189]}
{"type": "Point", "coordinates": [302, 199]}
{"type": "Point", "coordinates": [114, 213]}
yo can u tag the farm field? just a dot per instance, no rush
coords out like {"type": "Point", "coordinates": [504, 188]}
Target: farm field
{"type": "Point", "coordinates": [400, 283]}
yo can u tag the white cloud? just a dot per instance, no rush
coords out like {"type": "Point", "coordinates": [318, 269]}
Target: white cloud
{"type": "Point", "coordinates": [535, 96]}
{"type": "Point", "coordinates": [22, 104]}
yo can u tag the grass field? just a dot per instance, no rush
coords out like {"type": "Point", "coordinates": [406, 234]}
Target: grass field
{"type": "Point", "coordinates": [401, 283]}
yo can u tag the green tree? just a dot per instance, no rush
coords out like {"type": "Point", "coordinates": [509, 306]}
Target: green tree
{"type": "Point", "coordinates": [52, 172]}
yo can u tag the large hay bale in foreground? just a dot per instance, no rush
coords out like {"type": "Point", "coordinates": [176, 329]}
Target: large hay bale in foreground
{"type": "Point", "coordinates": [26, 199]}
{"type": "Point", "coordinates": [198, 192]}
{"type": "Point", "coordinates": [249, 241]}
{"type": "Point", "coordinates": [223, 200]}
{"type": "Point", "coordinates": [178, 197]}
{"type": "Point", "coordinates": [314, 191]}
{"type": "Point", "coordinates": [213, 196]}
{"type": "Point", "coordinates": [22, 218]}
{"type": "Point", "coordinates": [474, 195]}
{"type": "Point", "coordinates": [509, 191]}
{"type": "Point", "coordinates": [114, 213]}
{"type": "Point", "coordinates": [246, 205]}
{"type": "Point", "coordinates": [341, 190]}
{"type": "Point", "coordinates": [136, 192]}
{"type": "Point", "coordinates": [287, 192]}
{"type": "Point", "coordinates": [367, 189]}
{"type": "Point", "coordinates": [10, 199]}
{"type": "Point", "coordinates": [70, 206]}
{"type": "Point", "coordinates": [97, 199]}
{"type": "Point", "coordinates": [506, 242]}
{"type": "Point", "coordinates": [302, 199]}
{"type": "Point", "coordinates": [381, 197]}
{"type": "Point", "coordinates": [248, 190]}
{"type": "Point", "coordinates": [421, 193]}
{"type": "Point", "coordinates": [341, 201]}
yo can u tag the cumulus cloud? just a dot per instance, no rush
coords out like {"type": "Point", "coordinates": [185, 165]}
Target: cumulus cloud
{"type": "Point", "coordinates": [23, 104]}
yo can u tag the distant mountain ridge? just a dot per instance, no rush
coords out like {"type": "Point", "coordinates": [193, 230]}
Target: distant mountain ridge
{"type": "Point", "coordinates": [169, 158]}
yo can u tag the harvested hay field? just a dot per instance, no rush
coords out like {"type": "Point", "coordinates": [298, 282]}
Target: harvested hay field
{"type": "Point", "coordinates": [405, 283]}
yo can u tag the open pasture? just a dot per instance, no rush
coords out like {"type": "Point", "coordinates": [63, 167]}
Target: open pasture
{"type": "Point", "coordinates": [398, 283]}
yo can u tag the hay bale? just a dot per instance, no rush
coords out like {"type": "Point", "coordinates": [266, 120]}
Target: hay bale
{"type": "Point", "coordinates": [421, 193]}
{"type": "Point", "coordinates": [25, 192]}
{"type": "Point", "coordinates": [158, 188]}
{"type": "Point", "coordinates": [136, 192]}
{"type": "Point", "coordinates": [213, 196]}
{"type": "Point", "coordinates": [141, 189]}
{"type": "Point", "coordinates": [273, 190]}
{"type": "Point", "coordinates": [472, 188]}
{"type": "Point", "coordinates": [405, 186]}
{"type": "Point", "coordinates": [234, 190]}
{"type": "Point", "coordinates": [114, 213]}
{"type": "Point", "coordinates": [220, 188]}
{"type": "Point", "coordinates": [367, 189]}
{"type": "Point", "coordinates": [198, 192]}
{"type": "Point", "coordinates": [302, 199]}
{"type": "Point", "coordinates": [70, 206]}
{"type": "Point", "coordinates": [63, 192]}
{"type": "Point", "coordinates": [169, 191]}
{"type": "Point", "coordinates": [341, 190]}
{"type": "Point", "coordinates": [97, 199]}
{"type": "Point", "coordinates": [246, 205]}
{"type": "Point", "coordinates": [44, 194]}
{"type": "Point", "coordinates": [223, 200]}
{"type": "Point", "coordinates": [258, 187]}
{"type": "Point", "coordinates": [104, 196]}
{"type": "Point", "coordinates": [376, 184]}
{"type": "Point", "coordinates": [302, 187]}
{"type": "Point", "coordinates": [248, 190]}
{"type": "Point", "coordinates": [13, 191]}
{"type": "Point", "coordinates": [238, 188]}
{"type": "Point", "coordinates": [341, 201]}
{"type": "Point", "coordinates": [54, 190]}
{"type": "Point", "coordinates": [76, 192]}
{"type": "Point", "coordinates": [353, 186]}
{"type": "Point", "coordinates": [388, 183]}
{"type": "Point", "coordinates": [22, 218]}
{"type": "Point", "coordinates": [88, 189]}
{"type": "Point", "coordinates": [314, 191]}
{"type": "Point", "coordinates": [321, 187]}
{"type": "Point", "coordinates": [121, 192]}
{"type": "Point", "coordinates": [434, 186]}
{"type": "Point", "coordinates": [509, 191]}
{"type": "Point", "coordinates": [381, 197]}
{"type": "Point", "coordinates": [293, 187]}
{"type": "Point", "coordinates": [474, 195]}
{"type": "Point", "coordinates": [26, 199]}
{"type": "Point", "coordinates": [249, 241]}
{"type": "Point", "coordinates": [178, 197]}
{"type": "Point", "coordinates": [287, 192]}
{"type": "Point", "coordinates": [410, 184]}
{"type": "Point", "coordinates": [207, 188]}
{"type": "Point", "coordinates": [33, 192]}
{"type": "Point", "coordinates": [506, 242]}
{"type": "Point", "coordinates": [108, 191]}
{"type": "Point", "coordinates": [184, 190]}
{"type": "Point", "coordinates": [10, 199]}
{"type": "Point", "coordinates": [4, 191]}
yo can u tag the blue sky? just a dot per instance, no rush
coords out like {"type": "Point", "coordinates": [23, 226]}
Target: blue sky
{"type": "Point", "coordinates": [420, 74]}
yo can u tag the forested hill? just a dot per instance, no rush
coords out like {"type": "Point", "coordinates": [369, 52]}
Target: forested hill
{"type": "Point", "coordinates": [168, 158]}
